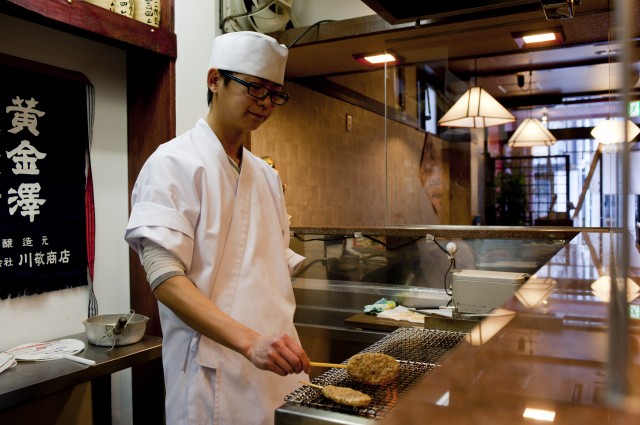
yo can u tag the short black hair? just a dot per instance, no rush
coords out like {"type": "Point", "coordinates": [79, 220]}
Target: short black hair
{"type": "Point", "coordinates": [225, 81]}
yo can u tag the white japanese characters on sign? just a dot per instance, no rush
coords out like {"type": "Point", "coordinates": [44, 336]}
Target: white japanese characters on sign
{"type": "Point", "coordinates": [26, 198]}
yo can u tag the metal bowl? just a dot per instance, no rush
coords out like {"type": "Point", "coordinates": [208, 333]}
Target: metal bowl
{"type": "Point", "coordinates": [111, 330]}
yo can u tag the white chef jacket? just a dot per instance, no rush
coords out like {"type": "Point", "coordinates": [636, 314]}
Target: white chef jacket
{"type": "Point", "coordinates": [232, 236]}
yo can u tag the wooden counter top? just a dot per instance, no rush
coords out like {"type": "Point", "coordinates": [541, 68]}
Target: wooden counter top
{"type": "Point", "coordinates": [368, 321]}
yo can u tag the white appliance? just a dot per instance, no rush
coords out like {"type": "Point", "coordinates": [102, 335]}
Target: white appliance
{"type": "Point", "coordinates": [480, 291]}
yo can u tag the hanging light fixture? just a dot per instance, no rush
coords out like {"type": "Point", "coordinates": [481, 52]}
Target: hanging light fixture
{"type": "Point", "coordinates": [476, 108]}
{"type": "Point", "coordinates": [531, 131]}
{"type": "Point", "coordinates": [612, 131]}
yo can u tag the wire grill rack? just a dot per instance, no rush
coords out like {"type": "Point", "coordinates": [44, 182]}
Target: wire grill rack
{"type": "Point", "coordinates": [418, 351]}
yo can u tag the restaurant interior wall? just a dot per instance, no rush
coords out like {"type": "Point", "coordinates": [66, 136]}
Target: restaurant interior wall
{"type": "Point", "coordinates": [337, 177]}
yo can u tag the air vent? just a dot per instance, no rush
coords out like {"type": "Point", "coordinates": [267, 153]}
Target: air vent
{"type": "Point", "coordinates": [559, 9]}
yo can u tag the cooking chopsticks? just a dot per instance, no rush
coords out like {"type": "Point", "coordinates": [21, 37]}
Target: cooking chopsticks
{"type": "Point", "coordinates": [319, 364]}
{"type": "Point", "coordinates": [310, 384]}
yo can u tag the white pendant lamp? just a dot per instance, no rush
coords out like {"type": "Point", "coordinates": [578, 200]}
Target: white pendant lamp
{"type": "Point", "coordinates": [476, 109]}
{"type": "Point", "coordinates": [531, 132]}
{"type": "Point", "coordinates": [612, 131]}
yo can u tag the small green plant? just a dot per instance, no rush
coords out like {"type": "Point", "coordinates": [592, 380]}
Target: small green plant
{"type": "Point", "coordinates": [511, 199]}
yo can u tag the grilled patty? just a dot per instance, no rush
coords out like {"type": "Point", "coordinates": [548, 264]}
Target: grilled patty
{"type": "Point", "coordinates": [373, 368]}
{"type": "Point", "coordinates": [346, 396]}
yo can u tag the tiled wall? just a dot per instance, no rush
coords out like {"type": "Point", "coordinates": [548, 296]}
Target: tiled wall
{"type": "Point", "coordinates": [338, 178]}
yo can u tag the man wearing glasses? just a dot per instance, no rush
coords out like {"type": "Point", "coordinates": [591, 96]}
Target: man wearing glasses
{"type": "Point", "coordinates": [209, 223]}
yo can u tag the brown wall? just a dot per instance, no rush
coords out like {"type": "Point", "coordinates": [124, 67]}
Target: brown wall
{"type": "Point", "coordinates": [339, 178]}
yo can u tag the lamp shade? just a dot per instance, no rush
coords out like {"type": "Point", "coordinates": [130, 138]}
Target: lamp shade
{"type": "Point", "coordinates": [531, 132]}
{"type": "Point", "coordinates": [476, 109]}
{"type": "Point", "coordinates": [612, 131]}
{"type": "Point", "coordinates": [535, 291]}
{"type": "Point", "coordinates": [489, 326]}
{"type": "Point", "coordinates": [601, 288]}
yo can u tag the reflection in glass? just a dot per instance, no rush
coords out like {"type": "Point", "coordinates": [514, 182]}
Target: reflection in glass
{"type": "Point", "coordinates": [602, 288]}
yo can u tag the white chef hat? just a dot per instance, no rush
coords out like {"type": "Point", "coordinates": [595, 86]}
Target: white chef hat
{"type": "Point", "coordinates": [251, 53]}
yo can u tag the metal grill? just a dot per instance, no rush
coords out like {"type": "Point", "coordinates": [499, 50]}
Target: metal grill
{"type": "Point", "coordinates": [418, 352]}
{"type": "Point", "coordinates": [383, 397]}
{"type": "Point", "coordinates": [417, 344]}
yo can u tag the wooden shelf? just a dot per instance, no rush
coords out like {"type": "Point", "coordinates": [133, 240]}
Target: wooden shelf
{"type": "Point", "coordinates": [32, 381]}
{"type": "Point", "coordinates": [91, 21]}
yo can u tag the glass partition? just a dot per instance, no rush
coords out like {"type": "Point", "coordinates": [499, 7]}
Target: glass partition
{"type": "Point", "coordinates": [447, 175]}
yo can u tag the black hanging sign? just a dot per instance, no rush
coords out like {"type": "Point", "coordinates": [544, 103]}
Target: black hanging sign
{"type": "Point", "coordinates": [44, 139]}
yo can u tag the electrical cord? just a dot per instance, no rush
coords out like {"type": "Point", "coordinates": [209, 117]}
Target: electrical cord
{"type": "Point", "coordinates": [452, 263]}
{"type": "Point", "coordinates": [339, 238]}
{"type": "Point", "coordinates": [440, 246]}
{"type": "Point", "coordinates": [307, 30]}
{"type": "Point", "coordinates": [391, 248]}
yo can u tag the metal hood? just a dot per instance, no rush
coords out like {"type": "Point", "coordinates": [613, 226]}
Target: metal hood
{"type": "Point", "coordinates": [397, 12]}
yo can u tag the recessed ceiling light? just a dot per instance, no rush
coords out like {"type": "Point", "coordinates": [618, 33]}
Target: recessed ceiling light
{"type": "Point", "coordinates": [539, 38]}
{"type": "Point", "coordinates": [378, 58]}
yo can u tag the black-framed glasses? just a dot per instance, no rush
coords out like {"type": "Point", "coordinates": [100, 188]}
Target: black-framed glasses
{"type": "Point", "coordinates": [259, 91]}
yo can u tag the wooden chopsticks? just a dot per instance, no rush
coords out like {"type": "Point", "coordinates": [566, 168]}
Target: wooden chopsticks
{"type": "Point", "coordinates": [310, 384]}
{"type": "Point", "coordinates": [319, 364]}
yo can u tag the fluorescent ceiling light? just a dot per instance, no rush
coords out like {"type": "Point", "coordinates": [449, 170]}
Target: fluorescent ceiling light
{"type": "Point", "coordinates": [378, 58]}
{"type": "Point", "coordinates": [539, 38]}
{"type": "Point", "coordinates": [375, 59]}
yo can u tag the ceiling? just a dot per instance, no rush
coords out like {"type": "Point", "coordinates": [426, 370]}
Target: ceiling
{"type": "Point", "coordinates": [472, 41]}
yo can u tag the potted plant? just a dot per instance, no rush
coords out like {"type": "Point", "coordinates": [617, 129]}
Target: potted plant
{"type": "Point", "coordinates": [511, 199]}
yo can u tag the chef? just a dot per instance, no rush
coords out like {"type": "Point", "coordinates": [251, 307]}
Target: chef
{"type": "Point", "coordinates": [209, 223]}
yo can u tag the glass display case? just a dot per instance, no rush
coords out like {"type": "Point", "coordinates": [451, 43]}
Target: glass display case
{"type": "Point", "coordinates": [347, 269]}
{"type": "Point", "coordinates": [416, 261]}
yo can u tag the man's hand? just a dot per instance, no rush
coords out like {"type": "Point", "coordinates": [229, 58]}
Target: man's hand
{"type": "Point", "coordinates": [279, 354]}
